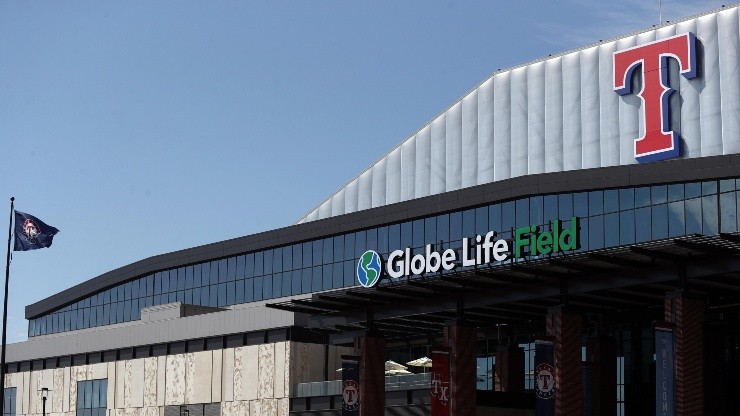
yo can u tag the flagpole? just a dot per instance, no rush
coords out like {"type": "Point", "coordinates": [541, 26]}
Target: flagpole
{"type": "Point", "coordinates": [5, 312]}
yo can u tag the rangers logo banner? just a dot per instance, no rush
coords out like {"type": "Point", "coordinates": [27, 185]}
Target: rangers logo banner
{"type": "Point", "coordinates": [350, 386]}
{"type": "Point", "coordinates": [544, 378]}
{"type": "Point", "coordinates": [664, 371]}
{"type": "Point", "coordinates": [440, 382]}
{"type": "Point", "coordinates": [31, 233]}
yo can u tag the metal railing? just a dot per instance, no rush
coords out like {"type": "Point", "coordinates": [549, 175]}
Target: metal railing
{"type": "Point", "coordinates": [392, 383]}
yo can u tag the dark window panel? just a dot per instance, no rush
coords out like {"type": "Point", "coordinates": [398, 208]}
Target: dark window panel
{"type": "Point", "coordinates": [728, 212]}
{"type": "Point", "coordinates": [259, 259]}
{"type": "Point", "coordinates": [317, 281]}
{"type": "Point", "coordinates": [611, 200]}
{"type": "Point", "coordinates": [214, 273]}
{"type": "Point", "coordinates": [240, 267]}
{"type": "Point", "coordinates": [643, 225]}
{"type": "Point", "coordinates": [382, 242]}
{"type": "Point", "coordinates": [196, 296]}
{"type": "Point", "coordinates": [306, 280]}
{"type": "Point", "coordinates": [231, 269]}
{"type": "Point", "coordinates": [675, 192]}
{"type": "Point", "coordinates": [239, 292]}
{"type": "Point", "coordinates": [337, 275]}
{"type": "Point", "coordinates": [693, 190]}
{"type": "Point", "coordinates": [627, 227]}
{"type": "Point", "coordinates": [249, 265]}
{"type": "Point", "coordinates": [307, 254]}
{"type": "Point", "coordinates": [338, 248]}
{"type": "Point", "coordinates": [565, 206]}
{"type": "Point", "coordinates": [189, 296]}
{"type": "Point", "coordinates": [327, 279]}
{"type": "Point", "coordinates": [287, 283]}
{"type": "Point", "coordinates": [642, 197]}
{"type": "Point", "coordinates": [277, 285]}
{"type": "Point", "coordinates": [417, 239]}
{"type": "Point", "coordinates": [676, 218]}
{"type": "Point", "coordinates": [659, 194]}
{"type": "Point", "coordinates": [693, 215]}
{"type": "Point", "coordinates": [213, 298]}
{"type": "Point", "coordinates": [360, 245]}
{"type": "Point", "coordinates": [189, 277]}
{"type": "Point", "coordinates": [708, 188]}
{"type": "Point", "coordinates": [269, 254]}
{"type": "Point", "coordinates": [230, 293]}
{"type": "Point", "coordinates": [406, 237]}
{"type": "Point", "coordinates": [248, 290]}
{"type": "Point", "coordinates": [580, 204]}
{"type": "Point", "coordinates": [165, 285]}
{"type": "Point", "coordinates": [287, 258]}
{"type": "Point", "coordinates": [181, 278]}
{"type": "Point", "coordinates": [468, 227]}
{"type": "Point", "coordinates": [536, 213]}
{"type": "Point", "coordinates": [727, 185]}
{"type": "Point", "coordinates": [659, 221]}
{"type": "Point", "coordinates": [317, 252]}
{"type": "Point", "coordinates": [297, 256]}
{"type": "Point", "coordinates": [522, 213]}
{"type": "Point", "coordinates": [710, 215]}
{"type": "Point", "coordinates": [197, 275]}
{"type": "Point", "coordinates": [257, 288]}
{"type": "Point", "coordinates": [267, 287]}
{"type": "Point", "coordinates": [296, 284]}
{"type": "Point", "coordinates": [443, 230]}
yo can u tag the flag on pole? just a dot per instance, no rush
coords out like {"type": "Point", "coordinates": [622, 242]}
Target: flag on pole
{"type": "Point", "coordinates": [31, 233]}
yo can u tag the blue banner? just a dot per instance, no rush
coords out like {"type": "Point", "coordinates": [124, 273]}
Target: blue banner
{"type": "Point", "coordinates": [350, 386]}
{"type": "Point", "coordinates": [664, 372]}
{"type": "Point", "coordinates": [544, 378]}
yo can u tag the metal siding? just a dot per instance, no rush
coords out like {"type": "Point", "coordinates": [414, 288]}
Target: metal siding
{"type": "Point", "coordinates": [502, 126]}
{"type": "Point", "coordinates": [485, 132]}
{"type": "Point", "coordinates": [364, 190]}
{"type": "Point", "coordinates": [469, 168]}
{"type": "Point", "coordinates": [393, 177]}
{"type": "Point", "coordinates": [572, 145]}
{"type": "Point", "coordinates": [536, 118]}
{"type": "Point", "coordinates": [378, 184]}
{"type": "Point", "coordinates": [554, 115]}
{"type": "Point", "coordinates": [423, 162]}
{"type": "Point", "coordinates": [711, 120]}
{"type": "Point", "coordinates": [729, 61]}
{"type": "Point", "coordinates": [590, 108]}
{"type": "Point", "coordinates": [608, 108]}
{"type": "Point", "coordinates": [337, 203]}
{"type": "Point", "coordinates": [437, 151]}
{"type": "Point", "coordinates": [408, 169]}
{"type": "Point", "coordinates": [519, 126]}
{"type": "Point", "coordinates": [561, 113]}
{"type": "Point", "coordinates": [453, 149]}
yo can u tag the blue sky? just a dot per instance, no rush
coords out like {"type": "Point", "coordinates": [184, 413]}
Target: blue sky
{"type": "Point", "coordinates": [143, 127]}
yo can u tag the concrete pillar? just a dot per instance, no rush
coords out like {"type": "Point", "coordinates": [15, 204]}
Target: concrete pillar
{"type": "Point", "coordinates": [371, 350]}
{"type": "Point", "coordinates": [565, 327]}
{"type": "Point", "coordinates": [510, 369]}
{"type": "Point", "coordinates": [602, 352]}
{"type": "Point", "coordinates": [462, 343]}
{"type": "Point", "coordinates": [686, 312]}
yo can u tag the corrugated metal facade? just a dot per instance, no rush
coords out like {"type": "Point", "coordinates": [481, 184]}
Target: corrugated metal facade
{"type": "Point", "coordinates": [558, 114]}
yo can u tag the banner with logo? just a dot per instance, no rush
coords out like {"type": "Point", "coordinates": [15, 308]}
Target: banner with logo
{"type": "Point", "coordinates": [544, 378]}
{"type": "Point", "coordinates": [664, 370]}
{"type": "Point", "coordinates": [350, 385]}
{"type": "Point", "coordinates": [440, 382]}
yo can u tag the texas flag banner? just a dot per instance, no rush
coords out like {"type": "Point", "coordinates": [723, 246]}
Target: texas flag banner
{"type": "Point", "coordinates": [31, 233]}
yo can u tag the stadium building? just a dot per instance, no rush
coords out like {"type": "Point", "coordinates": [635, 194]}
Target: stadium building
{"type": "Point", "coordinates": [563, 240]}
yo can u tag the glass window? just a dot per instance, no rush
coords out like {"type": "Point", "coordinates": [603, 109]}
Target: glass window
{"type": "Point", "coordinates": [239, 291]}
{"type": "Point", "coordinates": [296, 285]}
{"type": "Point", "coordinates": [675, 192]}
{"type": "Point", "coordinates": [196, 276]}
{"type": "Point", "coordinates": [316, 281]}
{"type": "Point", "coordinates": [418, 233]}
{"type": "Point", "coordinates": [642, 197]}
{"type": "Point", "coordinates": [338, 243]}
{"type": "Point", "coordinates": [317, 252]}
{"type": "Point", "coordinates": [536, 211]}
{"type": "Point", "coordinates": [277, 285]}
{"type": "Point", "coordinates": [430, 230]}
{"type": "Point", "coordinates": [327, 279]}
{"type": "Point", "coordinates": [443, 229]}
{"type": "Point", "coordinates": [595, 232]}
{"type": "Point", "coordinates": [298, 256]}
{"type": "Point", "coordinates": [580, 204]}
{"type": "Point", "coordinates": [360, 244]}
{"type": "Point", "coordinates": [382, 243]}
{"type": "Point", "coordinates": [240, 262]}
{"type": "Point", "coordinates": [259, 268]}
{"type": "Point", "coordinates": [249, 265]}
{"type": "Point", "coordinates": [230, 269]}
{"type": "Point", "coordinates": [306, 280]}
{"type": "Point", "coordinates": [658, 194]}
{"type": "Point", "coordinates": [676, 218]}
{"type": "Point", "coordinates": [550, 207]}
{"type": "Point", "coordinates": [221, 295]}
{"type": "Point", "coordinates": [565, 205]}
{"type": "Point", "coordinates": [287, 279]}
{"type": "Point", "coordinates": [693, 190]}
{"type": "Point", "coordinates": [268, 261]}
{"type": "Point", "coordinates": [709, 188]}
{"type": "Point", "coordinates": [173, 280]}
{"type": "Point", "coordinates": [249, 290]}
{"type": "Point", "coordinates": [338, 276]}
{"type": "Point", "coordinates": [728, 212]}
{"type": "Point", "coordinates": [727, 185]}
{"type": "Point", "coordinates": [508, 216]}
{"type": "Point", "coordinates": [349, 273]}
{"type": "Point", "coordinates": [456, 231]}
{"type": "Point", "coordinates": [213, 298]}
{"type": "Point", "coordinates": [595, 203]}
{"type": "Point", "coordinates": [626, 199]}
{"type": "Point", "coordinates": [287, 258]}
{"type": "Point", "coordinates": [307, 254]}
{"type": "Point", "coordinates": [611, 229]}
{"type": "Point", "coordinates": [710, 219]}
{"type": "Point", "coordinates": [611, 200]}
{"type": "Point", "coordinates": [371, 238]}
{"type": "Point", "coordinates": [659, 221]}
{"type": "Point", "coordinates": [642, 224]}
{"type": "Point", "coordinates": [10, 401]}
{"type": "Point", "coordinates": [522, 212]}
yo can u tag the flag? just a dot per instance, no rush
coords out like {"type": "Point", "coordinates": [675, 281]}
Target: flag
{"type": "Point", "coordinates": [31, 233]}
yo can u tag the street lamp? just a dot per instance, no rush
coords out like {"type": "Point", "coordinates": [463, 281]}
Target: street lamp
{"type": "Point", "coordinates": [44, 393]}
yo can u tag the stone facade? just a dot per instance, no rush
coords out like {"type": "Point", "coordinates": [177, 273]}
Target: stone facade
{"type": "Point", "coordinates": [248, 380]}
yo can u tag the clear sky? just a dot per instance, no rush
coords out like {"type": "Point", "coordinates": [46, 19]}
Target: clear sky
{"type": "Point", "coordinates": [142, 127]}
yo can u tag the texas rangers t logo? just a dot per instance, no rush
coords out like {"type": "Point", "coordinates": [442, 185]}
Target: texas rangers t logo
{"type": "Point", "coordinates": [659, 141]}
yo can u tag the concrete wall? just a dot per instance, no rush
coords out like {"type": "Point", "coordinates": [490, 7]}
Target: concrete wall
{"type": "Point", "coordinates": [249, 380]}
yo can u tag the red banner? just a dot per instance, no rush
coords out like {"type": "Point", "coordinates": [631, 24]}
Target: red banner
{"type": "Point", "coordinates": [440, 382]}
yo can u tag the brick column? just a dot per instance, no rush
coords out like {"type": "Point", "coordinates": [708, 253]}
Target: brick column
{"type": "Point", "coordinates": [371, 350]}
{"type": "Point", "coordinates": [462, 343]}
{"type": "Point", "coordinates": [510, 369]}
{"type": "Point", "coordinates": [602, 352]}
{"type": "Point", "coordinates": [565, 326]}
{"type": "Point", "coordinates": [686, 312]}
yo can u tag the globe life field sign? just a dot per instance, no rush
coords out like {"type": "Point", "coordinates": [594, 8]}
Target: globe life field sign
{"type": "Point", "coordinates": [483, 249]}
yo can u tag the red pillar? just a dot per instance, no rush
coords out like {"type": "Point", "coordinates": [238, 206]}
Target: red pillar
{"type": "Point", "coordinates": [462, 343]}
{"type": "Point", "coordinates": [565, 326]}
{"type": "Point", "coordinates": [686, 312]}
{"type": "Point", "coordinates": [510, 369]}
{"type": "Point", "coordinates": [371, 350]}
{"type": "Point", "coordinates": [602, 352]}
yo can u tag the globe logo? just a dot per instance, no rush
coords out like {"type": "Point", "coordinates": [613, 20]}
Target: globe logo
{"type": "Point", "coordinates": [368, 269]}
